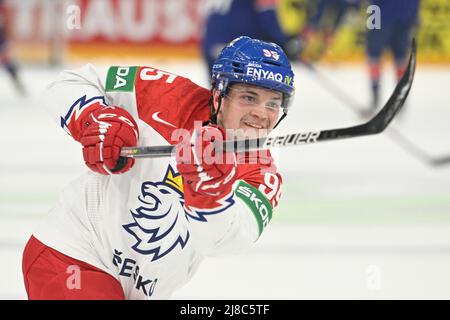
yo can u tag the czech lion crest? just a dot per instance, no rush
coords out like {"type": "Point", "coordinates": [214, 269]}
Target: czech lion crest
{"type": "Point", "coordinates": [160, 220]}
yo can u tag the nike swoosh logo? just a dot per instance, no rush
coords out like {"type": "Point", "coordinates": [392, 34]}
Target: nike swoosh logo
{"type": "Point", "coordinates": [158, 119]}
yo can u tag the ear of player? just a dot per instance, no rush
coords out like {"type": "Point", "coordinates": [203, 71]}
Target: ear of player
{"type": "Point", "coordinates": [103, 133]}
{"type": "Point", "coordinates": [206, 172]}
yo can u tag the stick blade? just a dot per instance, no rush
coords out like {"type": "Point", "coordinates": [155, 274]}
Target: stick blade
{"type": "Point", "coordinates": [398, 97]}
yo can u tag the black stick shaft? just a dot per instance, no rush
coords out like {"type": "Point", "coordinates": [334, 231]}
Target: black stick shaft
{"type": "Point", "coordinates": [376, 125]}
{"type": "Point", "coordinates": [395, 134]}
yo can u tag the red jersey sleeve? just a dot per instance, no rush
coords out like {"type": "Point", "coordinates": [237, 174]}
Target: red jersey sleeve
{"type": "Point", "coordinates": [166, 101]}
{"type": "Point", "coordinates": [261, 173]}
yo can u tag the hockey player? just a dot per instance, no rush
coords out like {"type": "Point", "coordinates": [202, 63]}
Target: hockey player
{"type": "Point", "coordinates": [398, 19]}
{"type": "Point", "coordinates": [324, 23]}
{"type": "Point", "coordinates": [138, 229]}
{"type": "Point", "coordinates": [228, 19]}
{"type": "Point", "coordinates": [5, 58]}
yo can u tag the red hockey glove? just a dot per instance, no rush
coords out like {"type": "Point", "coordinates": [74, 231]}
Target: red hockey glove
{"type": "Point", "coordinates": [207, 175]}
{"type": "Point", "coordinates": [103, 133]}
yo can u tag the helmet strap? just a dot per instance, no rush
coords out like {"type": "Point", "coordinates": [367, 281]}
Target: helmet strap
{"type": "Point", "coordinates": [282, 117]}
{"type": "Point", "coordinates": [214, 113]}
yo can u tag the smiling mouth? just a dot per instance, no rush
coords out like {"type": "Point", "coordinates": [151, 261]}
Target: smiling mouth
{"type": "Point", "coordinates": [253, 125]}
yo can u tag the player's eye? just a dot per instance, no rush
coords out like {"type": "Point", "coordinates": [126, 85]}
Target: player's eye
{"type": "Point", "coordinates": [273, 106]}
{"type": "Point", "coordinates": [247, 99]}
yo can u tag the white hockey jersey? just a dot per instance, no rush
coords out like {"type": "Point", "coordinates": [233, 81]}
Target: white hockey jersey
{"type": "Point", "coordinates": [135, 226]}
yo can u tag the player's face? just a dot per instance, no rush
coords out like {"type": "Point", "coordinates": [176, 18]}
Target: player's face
{"type": "Point", "coordinates": [253, 109]}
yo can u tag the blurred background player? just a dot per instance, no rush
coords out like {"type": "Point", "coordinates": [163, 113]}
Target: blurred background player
{"type": "Point", "coordinates": [398, 19]}
{"type": "Point", "coordinates": [323, 23]}
{"type": "Point", "coordinates": [5, 58]}
{"type": "Point", "coordinates": [226, 20]}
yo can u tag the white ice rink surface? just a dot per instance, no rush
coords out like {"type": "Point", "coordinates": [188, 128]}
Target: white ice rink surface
{"type": "Point", "coordinates": [358, 219]}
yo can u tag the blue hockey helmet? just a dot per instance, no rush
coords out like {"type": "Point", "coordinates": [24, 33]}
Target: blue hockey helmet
{"type": "Point", "coordinates": [255, 62]}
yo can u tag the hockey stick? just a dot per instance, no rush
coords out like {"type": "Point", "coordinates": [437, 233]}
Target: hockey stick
{"type": "Point", "coordinates": [400, 139]}
{"type": "Point", "coordinates": [376, 125]}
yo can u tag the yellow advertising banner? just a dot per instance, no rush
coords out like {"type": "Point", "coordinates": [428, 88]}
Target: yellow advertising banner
{"type": "Point", "coordinates": [432, 33]}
